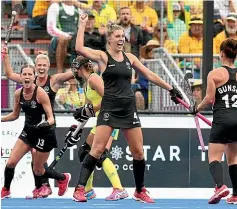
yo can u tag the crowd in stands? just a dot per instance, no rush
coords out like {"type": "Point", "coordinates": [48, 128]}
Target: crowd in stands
{"type": "Point", "coordinates": [180, 31]}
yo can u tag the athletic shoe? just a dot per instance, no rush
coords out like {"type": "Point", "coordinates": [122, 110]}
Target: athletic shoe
{"type": "Point", "coordinates": [63, 184]}
{"type": "Point", "coordinates": [79, 194]}
{"type": "Point", "coordinates": [143, 196]}
{"type": "Point", "coordinates": [219, 193]}
{"type": "Point", "coordinates": [5, 193]}
{"type": "Point", "coordinates": [117, 194]}
{"type": "Point", "coordinates": [90, 195]}
{"type": "Point", "coordinates": [232, 200]}
{"type": "Point", "coordinates": [44, 191]}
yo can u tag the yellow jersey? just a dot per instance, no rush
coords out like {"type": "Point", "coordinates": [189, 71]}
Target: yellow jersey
{"type": "Point", "coordinates": [92, 95]}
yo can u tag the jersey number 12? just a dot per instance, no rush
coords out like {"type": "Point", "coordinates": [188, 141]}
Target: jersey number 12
{"type": "Point", "coordinates": [233, 99]}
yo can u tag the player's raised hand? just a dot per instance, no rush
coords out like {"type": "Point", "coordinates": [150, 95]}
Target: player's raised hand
{"type": "Point", "coordinates": [83, 18]}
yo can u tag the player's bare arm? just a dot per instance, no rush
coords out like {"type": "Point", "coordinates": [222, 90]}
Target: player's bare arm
{"type": "Point", "coordinates": [210, 92]}
{"type": "Point", "coordinates": [8, 69]}
{"type": "Point", "coordinates": [16, 109]}
{"type": "Point", "coordinates": [154, 78]}
{"type": "Point", "coordinates": [43, 99]}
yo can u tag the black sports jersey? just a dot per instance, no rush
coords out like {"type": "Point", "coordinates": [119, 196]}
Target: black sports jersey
{"type": "Point", "coordinates": [226, 95]}
{"type": "Point", "coordinates": [48, 90]}
{"type": "Point", "coordinates": [33, 110]}
{"type": "Point", "coordinates": [117, 78]}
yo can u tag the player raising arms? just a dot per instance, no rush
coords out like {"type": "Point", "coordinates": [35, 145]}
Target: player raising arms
{"type": "Point", "coordinates": [50, 84]}
{"type": "Point", "coordinates": [37, 134]}
{"type": "Point", "coordinates": [94, 90]}
{"type": "Point", "coordinates": [222, 90]}
{"type": "Point", "coordinates": [118, 109]}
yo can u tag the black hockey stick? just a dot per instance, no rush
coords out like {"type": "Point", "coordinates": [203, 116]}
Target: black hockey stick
{"type": "Point", "coordinates": [17, 8]}
{"type": "Point", "coordinates": [63, 150]}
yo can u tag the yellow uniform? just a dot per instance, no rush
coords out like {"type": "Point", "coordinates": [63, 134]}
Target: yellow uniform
{"type": "Point", "coordinates": [95, 99]}
{"type": "Point", "coordinates": [40, 8]}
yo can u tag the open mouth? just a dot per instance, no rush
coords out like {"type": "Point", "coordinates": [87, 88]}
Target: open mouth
{"type": "Point", "coordinates": [120, 43]}
{"type": "Point", "coordinates": [41, 71]}
{"type": "Point", "coordinates": [27, 81]}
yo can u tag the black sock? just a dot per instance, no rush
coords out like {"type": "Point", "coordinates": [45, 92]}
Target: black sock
{"type": "Point", "coordinates": [233, 177]}
{"type": "Point", "coordinates": [53, 174]}
{"type": "Point", "coordinates": [216, 171]}
{"type": "Point", "coordinates": [36, 178]}
{"type": "Point", "coordinates": [87, 167]}
{"type": "Point", "coordinates": [45, 180]}
{"type": "Point", "coordinates": [8, 175]}
{"type": "Point", "coordinates": [138, 172]}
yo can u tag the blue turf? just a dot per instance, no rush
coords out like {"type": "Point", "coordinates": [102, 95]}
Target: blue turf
{"type": "Point", "coordinates": [15, 203]}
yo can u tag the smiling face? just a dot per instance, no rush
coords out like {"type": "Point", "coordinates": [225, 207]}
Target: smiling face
{"type": "Point", "coordinates": [42, 67]}
{"type": "Point", "coordinates": [116, 40]}
{"type": "Point", "coordinates": [27, 77]}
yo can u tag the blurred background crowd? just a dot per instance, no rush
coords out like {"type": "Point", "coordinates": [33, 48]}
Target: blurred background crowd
{"type": "Point", "coordinates": [171, 26]}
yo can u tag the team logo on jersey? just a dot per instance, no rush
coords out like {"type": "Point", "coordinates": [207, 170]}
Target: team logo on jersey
{"type": "Point", "coordinates": [128, 65]}
{"type": "Point", "coordinates": [106, 116]}
{"type": "Point", "coordinates": [33, 104]}
{"type": "Point", "coordinates": [46, 88]}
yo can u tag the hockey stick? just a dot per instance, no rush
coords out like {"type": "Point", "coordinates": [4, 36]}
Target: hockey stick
{"type": "Point", "coordinates": [202, 117]}
{"type": "Point", "coordinates": [62, 151]}
{"type": "Point", "coordinates": [17, 8]}
{"type": "Point", "coordinates": [189, 93]}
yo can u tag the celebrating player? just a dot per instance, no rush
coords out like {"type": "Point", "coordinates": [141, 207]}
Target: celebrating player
{"type": "Point", "coordinates": [37, 134]}
{"type": "Point", "coordinates": [118, 109]}
{"type": "Point", "coordinates": [222, 91]}
{"type": "Point", "coordinates": [94, 91]}
{"type": "Point", "coordinates": [51, 85]}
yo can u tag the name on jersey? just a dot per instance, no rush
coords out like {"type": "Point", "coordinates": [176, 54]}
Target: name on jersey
{"type": "Point", "coordinates": [228, 88]}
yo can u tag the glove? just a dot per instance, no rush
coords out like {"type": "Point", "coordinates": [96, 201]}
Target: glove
{"type": "Point", "coordinates": [4, 52]}
{"type": "Point", "coordinates": [69, 139]}
{"type": "Point", "coordinates": [43, 125]}
{"type": "Point", "coordinates": [193, 109]}
{"type": "Point", "coordinates": [84, 113]}
{"type": "Point", "coordinates": [174, 93]}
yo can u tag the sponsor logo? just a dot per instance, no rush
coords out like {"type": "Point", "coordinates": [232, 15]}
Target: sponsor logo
{"type": "Point", "coordinates": [113, 65]}
{"type": "Point", "coordinates": [46, 88]}
{"type": "Point", "coordinates": [106, 116]}
{"type": "Point", "coordinates": [33, 104]}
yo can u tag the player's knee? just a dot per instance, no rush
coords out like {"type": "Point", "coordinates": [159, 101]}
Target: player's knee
{"type": "Point", "coordinates": [231, 159]}
{"type": "Point", "coordinates": [38, 171]}
{"type": "Point", "coordinates": [138, 155]}
{"type": "Point", "coordinates": [83, 151]}
{"type": "Point", "coordinates": [97, 151]}
{"type": "Point", "coordinates": [11, 164]}
{"type": "Point", "coordinates": [102, 158]}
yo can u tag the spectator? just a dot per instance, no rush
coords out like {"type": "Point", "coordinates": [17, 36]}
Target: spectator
{"type": "Point", "coordinates": [197, 93]}
{"type": "Point", "coordinates": [177, 27]}
{"type": "Point", "coordinates": [94, 38]}
{"type": "Point", "coordinates": [144, 16]}
{"type": "Point", "coordinates": [169, 44]}
{"type": "Point", "coordinates": [134, 38]}
{"type": "Point", "coordinates": [141, 87]}
{"type": "Point", "coordinates": [218, 23]}
{"type": "Point", "coordinates": [69, 97]}
{"type": "Point", "coordinates": [39, 13]}
{"type": "Point", "coordinates": [103, 13]}
{"type": "Point", "coordinates": [62, 24]}
{"type": "Point", "coordinates": [191, 42]}
{"type": "Point", "coordinates": [229, 32]}
{"type": "Point", "coordinates": [224, 7]}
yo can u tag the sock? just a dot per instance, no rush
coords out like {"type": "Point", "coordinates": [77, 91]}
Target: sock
{"type": "Point", "coordinates": [111, 173]}
{"type": "Point", "coordinates": [53, 174]}
{"type": "Point", "coordinates": [87, 167]}
{"type": "Point", "coordinates": [138, 172]}
{"type": "Point", "coordinates": [216, 171]}
{"type": "Point", "coordinates": [89, 184]}
{"type": "Point", "coordinates": [233, 177]}
{"type": "Point", "coordinates": [8, 175]}
{"type": "Point", "coordinates": [36, 178]}
{"type": "Point", "coordinates": [45, 180]}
